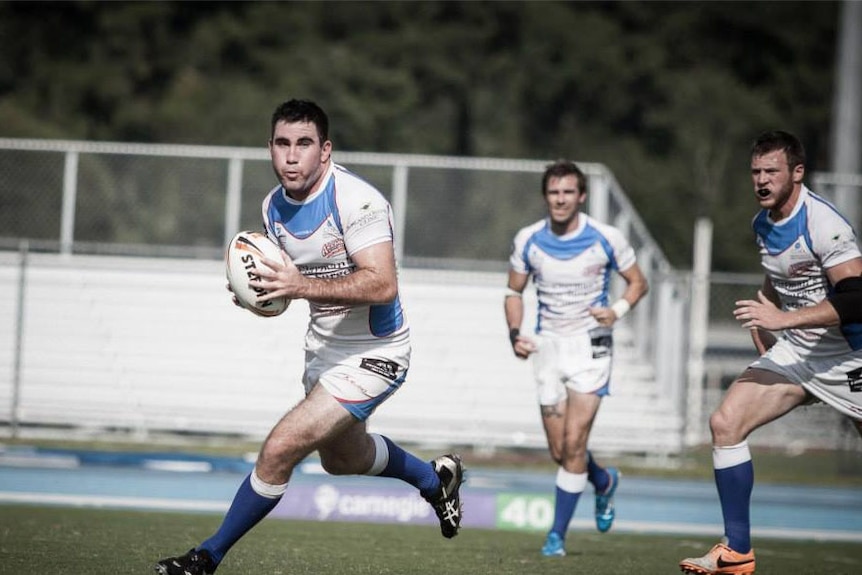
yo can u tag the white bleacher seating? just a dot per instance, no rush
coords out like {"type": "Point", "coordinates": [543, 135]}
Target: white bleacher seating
{"type": "Point", "coordinates": [155, 345]}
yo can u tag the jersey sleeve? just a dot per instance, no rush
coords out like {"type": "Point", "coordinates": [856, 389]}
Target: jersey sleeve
{"type": "Point", "coordinates": [366, 219]}
{"type": "Point", "coordinates": [623, 253]}
{"type": "Point", "coordinates": [265, 216]}
{"type": "Point", "coordinates": [517, 256]}
{"type": "Point", "coordinates": [834, 239]}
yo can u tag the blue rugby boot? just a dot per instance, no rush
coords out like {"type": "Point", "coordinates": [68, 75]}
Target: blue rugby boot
{"type": "Point", "coordinates": [554, 545]}
{"type": "Point", "coordinates": [605, 502]}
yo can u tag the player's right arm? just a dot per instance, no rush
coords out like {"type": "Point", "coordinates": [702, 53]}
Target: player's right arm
{"type": "Point", "coordinates": [373, 281]}
{"type": "Point", "coordinates": [514, 307]}
{"type": "Point", "coordinates": [844, 306]}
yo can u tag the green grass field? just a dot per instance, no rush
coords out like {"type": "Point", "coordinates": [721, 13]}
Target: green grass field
{"type": "Point", "coordinates": [74, 541]}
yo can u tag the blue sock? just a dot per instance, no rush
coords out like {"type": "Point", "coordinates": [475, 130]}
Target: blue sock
{"type": "Point", "coordinates": [734, 483]}
{"type": "Point", "coordinates": [568, 491]}
{"type": "Point", "coordinates": [407, 467]}
{"type": "Point", "coordinates": [597, 475]}
{"type": "Point", "coordinates": [246, 511]}
{"type": "Point", "coordinates": [564, 508]}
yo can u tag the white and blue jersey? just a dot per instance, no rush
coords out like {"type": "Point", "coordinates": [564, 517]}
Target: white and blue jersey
{"type": "Point", "coordinates": [320, 234]}
{"type": "Point", "coordinates": [572, 273]}
{"type": "Point", "coordinates": [795, 252]}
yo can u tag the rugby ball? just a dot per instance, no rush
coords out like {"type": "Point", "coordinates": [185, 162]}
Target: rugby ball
{"type": "Point", "coordinates": [243, 257]}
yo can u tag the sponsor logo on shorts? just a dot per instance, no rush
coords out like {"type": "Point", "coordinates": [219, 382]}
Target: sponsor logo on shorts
{"type": "Point", "coordinates": [854, 380]}
{"type": "Point", "coordinates": [602, 346]}
{"type": "Point", "coordinates": [382, 367]}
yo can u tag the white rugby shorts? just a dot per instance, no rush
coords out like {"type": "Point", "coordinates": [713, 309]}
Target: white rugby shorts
{"type": "Point", "coordinates": [835, 380]}
{"type": "Point", "coordinates": [359, 377]}
{"type": "Point", "coordinates": [581, 362]}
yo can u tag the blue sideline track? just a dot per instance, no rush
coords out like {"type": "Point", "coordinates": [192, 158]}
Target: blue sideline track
{"type": "Point", "coordinates": [492, 498]}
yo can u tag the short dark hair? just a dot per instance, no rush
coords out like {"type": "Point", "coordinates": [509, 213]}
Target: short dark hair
{"type": "Point", "coordinates": [779, 140]}
{"type": "Point", "coordinates": [302, 111]}
{"type": "Point", "coordinates": [562, 168]}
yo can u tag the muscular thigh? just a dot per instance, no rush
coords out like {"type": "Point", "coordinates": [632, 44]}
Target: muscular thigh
{"type": "Point", "coordinates": [757, 397]}
{"type": "Point", "coordinates": [313, 423]}
{"type": "Point", "coordinates": [835, 379]}
{"type": "Point", "coordinates": [568, 423]}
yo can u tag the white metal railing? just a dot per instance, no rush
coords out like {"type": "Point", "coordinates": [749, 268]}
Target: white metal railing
{"type": "Point", "coordinates": [604, 187]}
{"type": "Point", "coordinates": [656, 324]}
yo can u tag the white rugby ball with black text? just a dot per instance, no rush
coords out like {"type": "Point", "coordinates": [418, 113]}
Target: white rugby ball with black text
{"type": "Point", "coordinates": [243, 257]}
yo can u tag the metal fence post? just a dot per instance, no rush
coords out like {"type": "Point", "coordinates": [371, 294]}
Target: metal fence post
{"type": "Point", "coordinates": [233, 198]}
{"type": "Point", "coordinates": [399, 207]}
{"type": "Point", "coordinates": [598, 198]}
{"type": "Point", "coordinates": [24, 249]}
{"type": "Point", "coordinates": [70, 192]}
{"type": "Point", "coordinates": [698, 328]}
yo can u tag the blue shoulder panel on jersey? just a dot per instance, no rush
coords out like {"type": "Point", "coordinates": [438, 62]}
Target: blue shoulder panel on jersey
{"type": "Point", "coordinates": [609, 250]}
{"type": "Point", "coordinates": [304, 219]}
{"type": "Point", "coordinates": [777, 239]}
{"type": "Point", "coordinates": [567, 249]}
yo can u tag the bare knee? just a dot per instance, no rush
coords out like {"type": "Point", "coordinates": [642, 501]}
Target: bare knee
{"type": "Point", "coordinates": [556, 451]}
{"type": "Point", "coordinates": [566, 450]}
{"type": "Point", "coordinates": [276, 461]}
{"type": "Point", "coordinates": [725, 430]}
{"type": "Point", "coordinates": [574, 455]}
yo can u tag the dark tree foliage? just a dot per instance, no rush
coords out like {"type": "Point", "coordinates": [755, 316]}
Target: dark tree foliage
{"type": "Point", "coordinates": [667, 94]}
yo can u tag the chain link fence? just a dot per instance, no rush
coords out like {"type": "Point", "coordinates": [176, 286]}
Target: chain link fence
{"type": "Point", "coordinates": [460, 213]}
{"type": "Point", "coordinates": [188, 201]}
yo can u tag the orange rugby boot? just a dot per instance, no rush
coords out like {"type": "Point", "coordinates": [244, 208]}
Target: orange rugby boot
{"type": "Point", "coordinates": [721, 560]}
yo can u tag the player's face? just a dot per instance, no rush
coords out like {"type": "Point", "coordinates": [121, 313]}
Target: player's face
{"type": "Point", "coordinates": [775, 184]}
{"type": "Point", "coordinates": [298, 157]}
{"type": "Point", "coordinates": [564, 201]}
